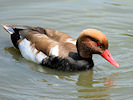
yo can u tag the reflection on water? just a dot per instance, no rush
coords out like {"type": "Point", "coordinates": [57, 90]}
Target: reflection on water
{"type": "Point", "coordinates": [93, 88]}
{"type": "Point", "coordinates": [128, 35]}
{"type": "Point", "coordinates": [89, 87]}
{"type": "Point", "coordinates": [14, 52]}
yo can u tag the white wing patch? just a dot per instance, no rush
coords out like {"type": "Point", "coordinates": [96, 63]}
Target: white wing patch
{"type": "Point", "coordinates": [70, 40]}
{"type": "Point", "coordinates": [29, 53]}
{"type": "Point", "coordinates": [54, 51]}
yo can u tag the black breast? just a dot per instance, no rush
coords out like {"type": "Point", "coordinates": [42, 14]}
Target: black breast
{"type": "Point", "coordinates": [72, 63]}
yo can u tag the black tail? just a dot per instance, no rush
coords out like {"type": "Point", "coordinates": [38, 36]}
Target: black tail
{"type": "Point", "coordinates": [15, 37]}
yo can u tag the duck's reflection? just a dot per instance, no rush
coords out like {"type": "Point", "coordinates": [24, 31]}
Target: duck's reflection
{"type": "Point", "coordinates": [14, 52]}
{"type": "Point", "coordinates": [92, 88]}
{"type": "Point", "coordinates": [89, 87]}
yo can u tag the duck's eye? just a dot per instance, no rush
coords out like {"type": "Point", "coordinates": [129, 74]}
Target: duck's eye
{"type": "Point", "coordinates": [99, 44]}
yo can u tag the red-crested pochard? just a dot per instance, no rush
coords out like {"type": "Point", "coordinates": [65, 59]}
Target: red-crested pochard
{"type": "Point", "coordinates": [58, 50]}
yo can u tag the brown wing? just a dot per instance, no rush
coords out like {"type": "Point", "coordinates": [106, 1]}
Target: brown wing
{"type": "Point", "coordinates": [53, 34]}
{"type": "Point", "coordinates": [49, 41]}
{"type": "Point", "coordinates": [46, 39]}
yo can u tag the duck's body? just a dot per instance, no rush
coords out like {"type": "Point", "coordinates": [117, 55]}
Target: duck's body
{"type": "Point", "coordinates": [56, 49]}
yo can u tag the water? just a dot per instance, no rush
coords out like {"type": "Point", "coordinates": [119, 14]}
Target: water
{"type": "Point", "coordinates": [24, 80]}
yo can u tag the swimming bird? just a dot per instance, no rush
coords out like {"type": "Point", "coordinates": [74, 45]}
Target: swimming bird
{"type": "Point", "coordinates": [57, 50]}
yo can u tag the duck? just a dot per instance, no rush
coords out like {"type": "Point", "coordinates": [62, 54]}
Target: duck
{"type": "Point", "coordinates": [58, 50]}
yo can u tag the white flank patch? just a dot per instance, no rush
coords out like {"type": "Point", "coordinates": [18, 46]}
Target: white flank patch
{"type": "Point", "coordinates": [29, 53]}
{"type": "Point", "coordinates": [54, 51]}
{"type": "Point", "coordinates": [9, 29]}
{"type": "Point", "coordinates": [70, 40]}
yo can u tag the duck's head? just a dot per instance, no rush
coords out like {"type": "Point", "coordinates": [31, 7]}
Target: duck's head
{"type": "Point", "coordinates": [92, 41]}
